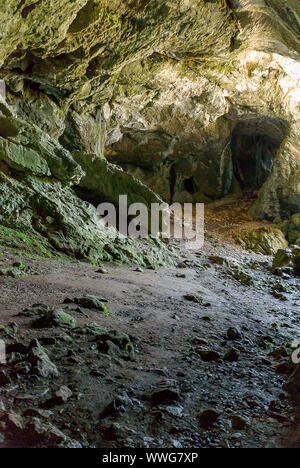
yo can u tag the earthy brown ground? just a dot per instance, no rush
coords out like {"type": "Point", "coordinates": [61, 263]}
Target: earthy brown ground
{"type": "Point", "coordinates": [168, 331]}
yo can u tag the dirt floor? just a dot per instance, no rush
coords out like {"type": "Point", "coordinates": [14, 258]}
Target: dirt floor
{"type": "Point", "coordinates": [178, 322]}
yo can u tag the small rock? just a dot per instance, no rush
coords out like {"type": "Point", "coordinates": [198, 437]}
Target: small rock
{"type": "Point", "coordinates": [206, 318]}
{"type": "Point", "coordinates": [108, 347]}
{"type": "Point", "coordinates": [175, 410]}
{"type": "Point", "coordinates": [40, 361]}
{"type": "Point", "coordinates": [194, 298]}
{"type": "Point", "coordinates": [237, 422]}
{"type": "Point", "coordinates": [38, 412]}
{"type": "Point", "coordinates": [233, 333]}
{"type": "Point", "coordinates": [231, 355]}
{"type": "Point", "coordinates": [63, 394]}
{"type": "Point", "coordinates": [55, 318]}
{"type": "Point", "coordinates": [4, 378]}
{"type": "Point", "coordinates": [59, 397]}
{"type": "Point", "coordinates": [208, 355]}
{"type": "Point", "coordinates": [88, 302]}
{"type": "Point", "coordinates": [167, 391]}
{"type": "Point", "coordinates": [102, 270]}
{"type": "Point", "coordinates": [118, 405]}
{"type": "Point", "coordinates": [208, 417]}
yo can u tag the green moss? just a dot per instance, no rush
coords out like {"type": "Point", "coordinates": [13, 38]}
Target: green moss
{"type": "Point", "coordinates": [18, 242]}
{"type": "Point", "coordinates": [265, 241]}
{"type": "Point", "coordinates": [52, 318]}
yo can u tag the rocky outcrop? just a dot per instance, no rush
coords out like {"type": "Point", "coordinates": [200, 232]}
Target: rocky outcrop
{"type": "Point", "coordinates": [105, 182]}
{"type": "Point", "coordinates": [197, 98]}
{"type": "Point", "coordinates": [40, 209]}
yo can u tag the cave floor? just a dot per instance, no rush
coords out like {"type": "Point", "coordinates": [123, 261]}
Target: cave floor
{"type": "Point", "coordinates": [169, 333]}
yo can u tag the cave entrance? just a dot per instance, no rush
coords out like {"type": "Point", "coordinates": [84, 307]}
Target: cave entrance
{"type": "Point", "coordinates": [190, 186]}
{"type": "Point", "coordinates": [254, 145]}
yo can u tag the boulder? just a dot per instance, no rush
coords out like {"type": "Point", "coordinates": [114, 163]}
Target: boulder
{"type": "Point", "coordinates": [88, 302]}
{"type": "Point", "coordinates": [265, 240]}
{"type": "Point", "coordinates": [287, 260]}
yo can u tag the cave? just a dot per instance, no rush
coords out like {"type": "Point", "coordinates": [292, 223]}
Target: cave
{"type": "Point", "coordinates": [149, 227]}
{"type": "Point", "coordinates": [189, 185]}
{"type": "Point", "coordinates": [254, 146]}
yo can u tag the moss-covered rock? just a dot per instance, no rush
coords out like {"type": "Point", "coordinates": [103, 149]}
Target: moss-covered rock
{"type": "Point", "coordinates": [88, 302]}
{"type": "Point", "coordinates": [25, 148]}
{"type": "Point", "coordinates": [265, 241]}
{"type": "Point", "coordinates": [55, 318]}
{"type": "Point", "coordinates": [106, 182]}
{"type": "Point", "coordinates": [287, 260]}
{"type": "Point", "coordinates": [103, 335]}
{"type": "Point", "coordinates": [12, 272]}
{"type": "Point", "coordinates": [48, 217]}
{"type": "Point", "coordinates": [283, 258]}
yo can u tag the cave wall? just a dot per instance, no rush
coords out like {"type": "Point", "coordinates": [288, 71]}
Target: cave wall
{"type": "Point", "coordinates": [174, 82]}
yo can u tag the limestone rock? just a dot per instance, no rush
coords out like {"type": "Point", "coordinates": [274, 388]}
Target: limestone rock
{"type": "Point", "coordinates": [89, 302]}
{"type": "Point", "coordinates": [195, 98]}
{"type": "Point", "coordinates": [265, 241]}
{"type": "Point", "coordinates": [26, 149]}
{"type": "Point", "coordinates": [46, 216]}
{"type": "Point", "coordinates": [105, 182]}
{"type": "Point", "coordinates": [39, 109]}
{"type": "Point", "coordinates": [287, 260]}
{"type": "Point", "coordinates": [40, 361]}
{"type": "Point", "coordinates": [55, 318]}
{"type": "Point", "coordinates": [48, 435]}
{"type": "Point", "coordinates": [80, 134]}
